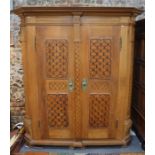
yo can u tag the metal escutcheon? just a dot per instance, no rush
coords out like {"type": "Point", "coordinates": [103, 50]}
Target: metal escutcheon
{"type": "Point", "coordinates": [70, 85]}
{"type": "Point", "coordinates": [84, 84]}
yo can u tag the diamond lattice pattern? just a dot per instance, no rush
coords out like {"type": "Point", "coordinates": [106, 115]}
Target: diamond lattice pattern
{"type": "Point", "coordinates": [57, 110]}
{"type": "Point", "coordinates": [100, 58]}
{"type": "Point", "coordinates": [99, 110]}
{"type": "Point", "coordinates": [56, 58]}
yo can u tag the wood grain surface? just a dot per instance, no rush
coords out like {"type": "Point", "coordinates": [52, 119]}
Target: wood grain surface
{"type": "Point", "coordinates": [78, 64]}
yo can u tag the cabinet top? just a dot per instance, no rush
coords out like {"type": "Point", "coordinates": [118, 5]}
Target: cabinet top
{"type": "Point", "coordinates": [112, 11]}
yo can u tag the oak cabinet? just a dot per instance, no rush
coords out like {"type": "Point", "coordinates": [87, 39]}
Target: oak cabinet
{"type": "Point", "coordinates": [78, 74]}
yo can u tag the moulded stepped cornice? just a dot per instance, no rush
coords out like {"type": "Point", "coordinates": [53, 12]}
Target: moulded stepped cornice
{"type": "Point", "coordinates": [114, 11]}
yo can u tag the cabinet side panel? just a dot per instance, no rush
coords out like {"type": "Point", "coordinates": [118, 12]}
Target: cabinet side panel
{"type": "Point", "coordinates": [125, 81]}
{"type": "Point", "coordinates": [128, 122]}
{"type": "Point", "coordinates": [28, 114]}
{"type": "Point", "coordinates": [32, 77]}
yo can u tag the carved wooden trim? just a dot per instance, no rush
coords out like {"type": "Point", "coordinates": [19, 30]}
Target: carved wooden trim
{"type": "Point", "coordinates": [69, 20]}
{"type": "Point", "coordinates": [56, 60]}
{"type": "Point", "coordinates": [99, 109]}
{"type": "Point", "coordinates": [128, 11]}
{"type": "Point", "coordinates": [78, 107]}
{"type": "Point", "coordinates": [100, 58]}
{"type": "Point", "coordinates": [77, 89]}
{"type": "Point", "coordinates": [53, 86]}
{"type": "Point", "coordinates": [100, 85]}
{"type": "Point", "coordinates": [57, 111]}
{"type": "Point", "coordinates": [55, 142]}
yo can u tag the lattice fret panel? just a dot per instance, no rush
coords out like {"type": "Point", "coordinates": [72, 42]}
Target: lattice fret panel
{"type": "Point", "coordinates": [56, 58]}
{"type": "Point", "coordinates": [77, 89]}
{"type": "Point", "coordinates": [57, 110]}
{"type": "Point", "coordinates": [99, 108]}
{"type": "Point", "coordinates": [57, 85]}
{"type": "Point", "coordinates": [101, 85]}
{"type": "Point", "coordinates": [100, 58]}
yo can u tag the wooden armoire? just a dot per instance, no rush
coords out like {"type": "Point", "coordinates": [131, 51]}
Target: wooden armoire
{"type": "Point", "coordinates": [78, 64]}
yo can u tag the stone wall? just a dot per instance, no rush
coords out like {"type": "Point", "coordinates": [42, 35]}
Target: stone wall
{"type": "Point", "coordinates": [16, 82]}
{"type": "Point", "coordinates": [135, 3]}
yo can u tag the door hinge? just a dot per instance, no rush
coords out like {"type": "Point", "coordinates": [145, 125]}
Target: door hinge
{"type": "Point", "coordinates": [121, 43]}
{"type": "Point", "coordinates": [38, 124]}
{"type": "Point", "coordinates": [35, 43]}
{"type": "Point", "coordinates": [116, 124]}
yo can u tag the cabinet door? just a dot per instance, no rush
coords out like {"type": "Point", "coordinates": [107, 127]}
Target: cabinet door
{"type": "Point", "coordinates": [55, 60]}
{"type": "Point", "coordinates": [100, 46]}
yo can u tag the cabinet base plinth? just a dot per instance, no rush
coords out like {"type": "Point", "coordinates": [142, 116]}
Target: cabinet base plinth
{"type": "Point", "coordinates": [74, 143]}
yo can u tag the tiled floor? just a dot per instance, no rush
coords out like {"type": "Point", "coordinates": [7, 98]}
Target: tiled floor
{"type": "Point", "coordinates": [45, 153]}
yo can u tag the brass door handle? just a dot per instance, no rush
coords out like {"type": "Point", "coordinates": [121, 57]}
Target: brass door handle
{"type": "Point", "coordinates": [70, 85]}
{"type": "Point", "coordinates": [84, 84]}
